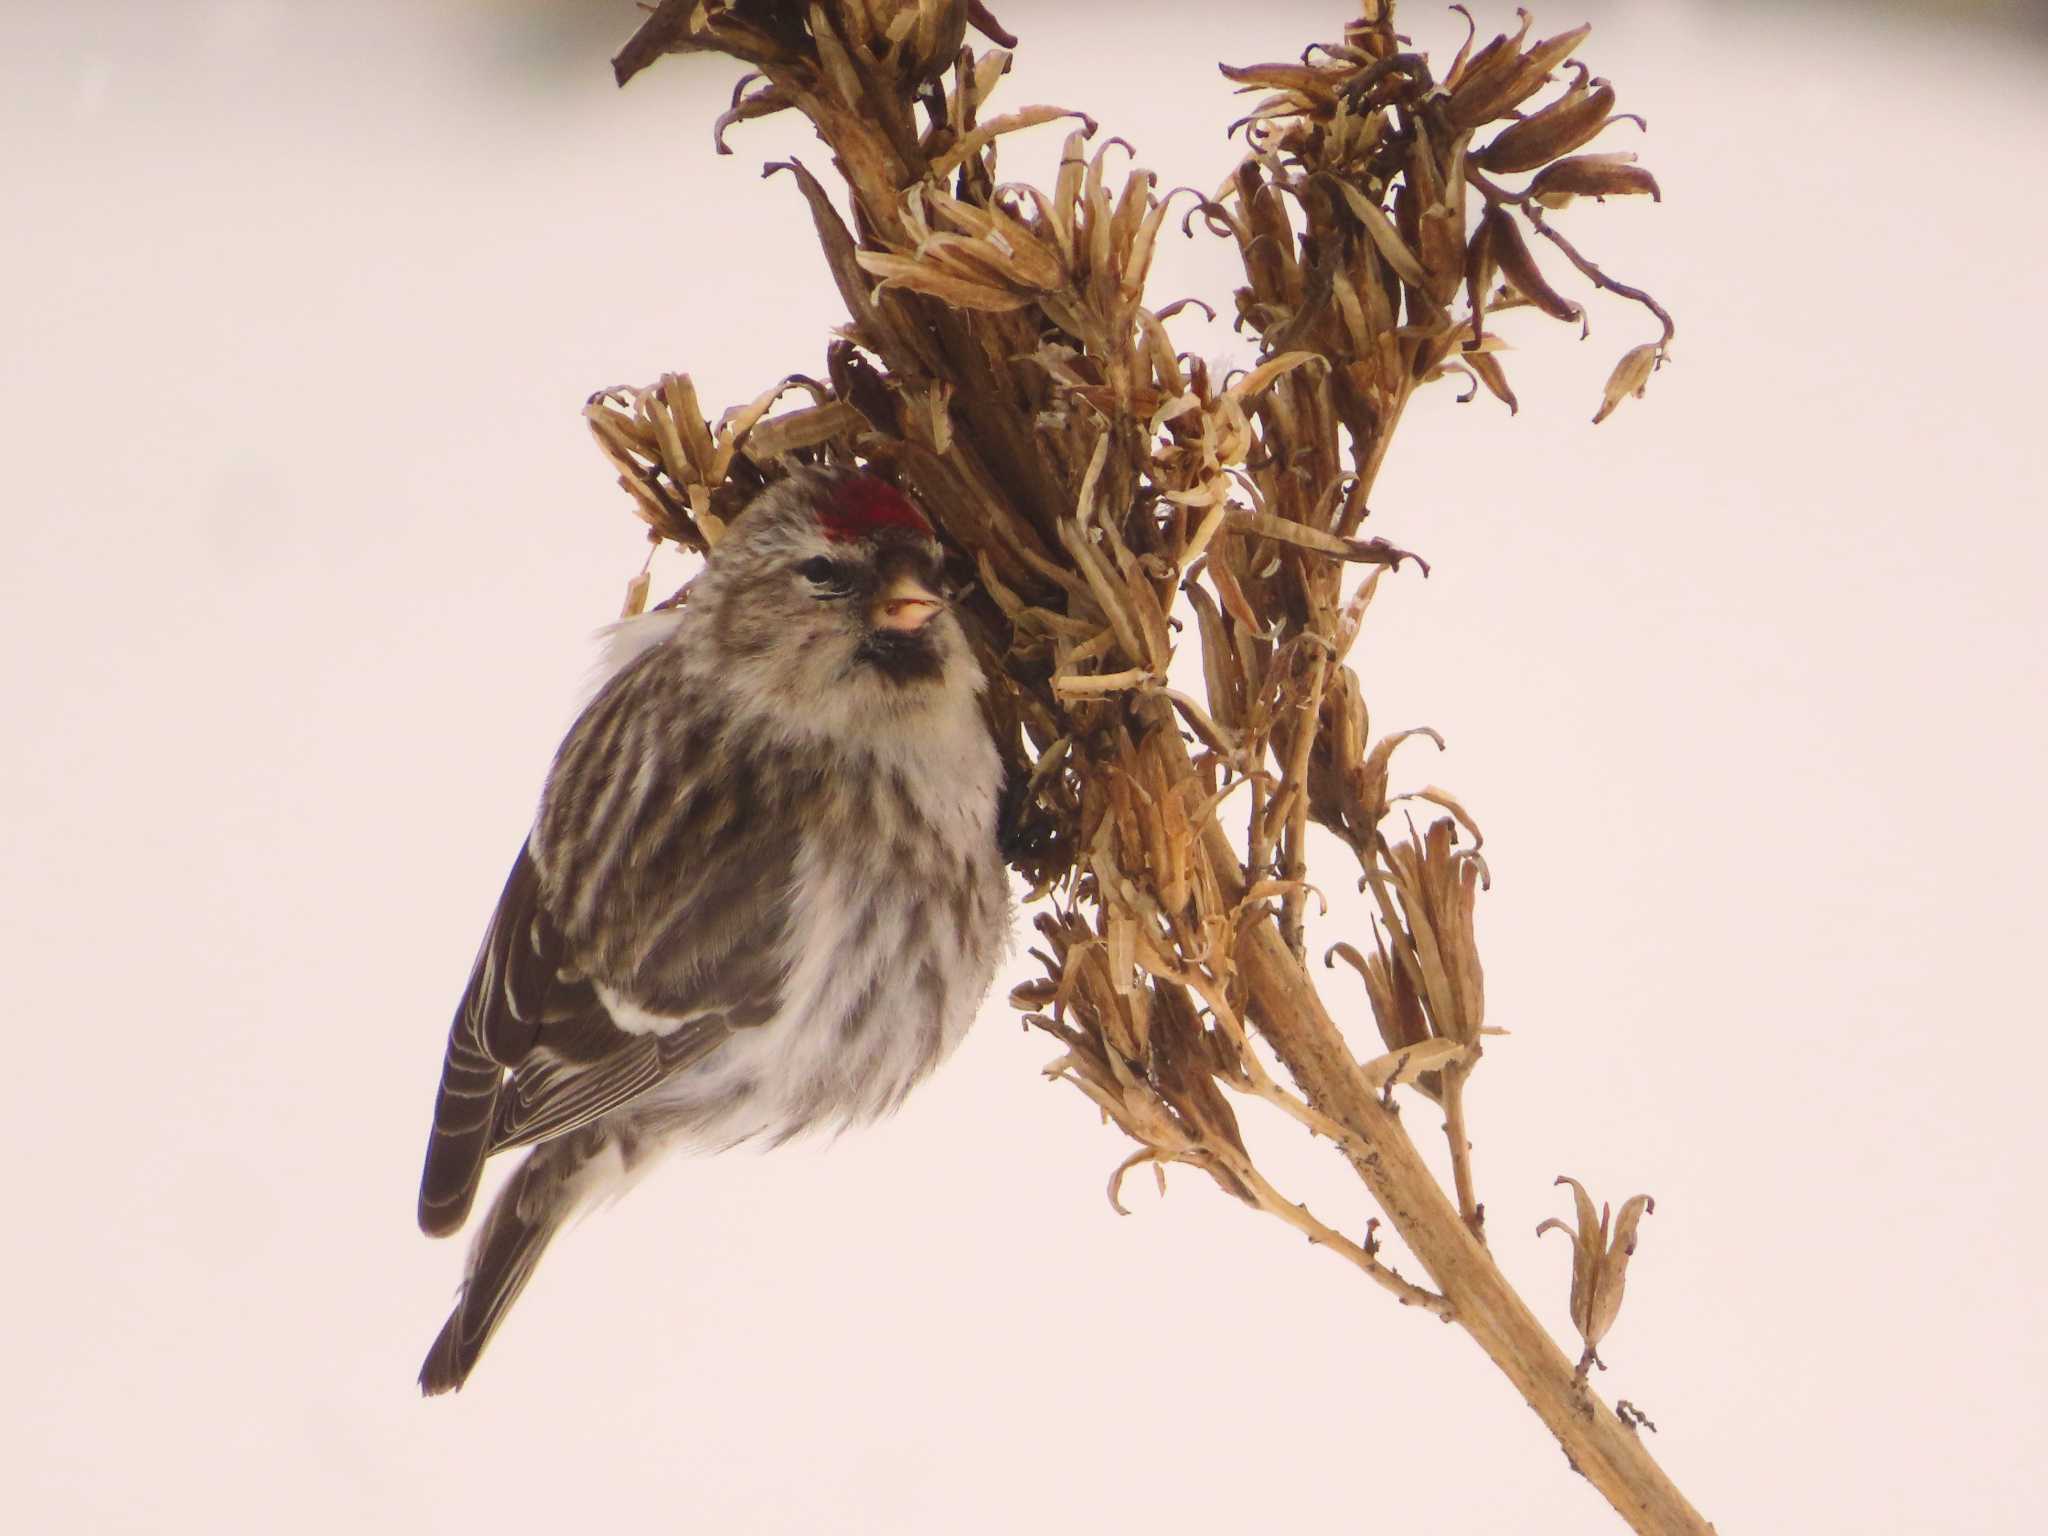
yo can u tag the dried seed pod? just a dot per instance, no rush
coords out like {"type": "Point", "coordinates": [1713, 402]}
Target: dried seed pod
{"type": "Point", "coordinates": [1631, 376]}
{"type": "Point", "coordinates": [1486, 367]}
{"type": "Point", "coordinates": [1540, 60]}
{"type": "Point", "coordinates": [1483, 89]}
{"type": "Point", "coordinates": [1481, 262]}
{"type": "Point", "coordinates": [1599, 1265]}
{"type": "Point", "coordinates": [1386, 238]}
{"type": "Point", "coordinates": [1592, 176]}
{"type": "Point", "coordinates": [935, 281]}
{"type": "Point", "coordinates": [1500, 85]}
{"type": "Point", "coordinates": [1518, 266]}
{"type": "Point", "coordinates": [1557, 130]}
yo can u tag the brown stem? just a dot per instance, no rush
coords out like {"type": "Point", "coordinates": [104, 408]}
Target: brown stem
{"type": "Point", "coordinates": [1460, 1141]}
{"type": "Point", "coordinates": [1533, 212]}
{"type": "Point", "coordinates": [1291, 1016]}
{"type": "Point", "coordinates": [1594, 275]}
{"type": "Point", "coordinates": [1310, 709]}
{"type": "Point", "coordinates": [1289, 1013]}
{"type": "Point", "coordinates": [1304, 1221]}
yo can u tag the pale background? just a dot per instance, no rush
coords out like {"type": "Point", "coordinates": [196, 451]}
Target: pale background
{"type": "Point", "coordinates": [303, 542]}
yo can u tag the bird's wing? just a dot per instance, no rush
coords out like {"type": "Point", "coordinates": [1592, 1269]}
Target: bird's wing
{"type": "Point", "coordinates": [670, 887]}
{"type": "Point", "coordinates": [517, 988]}
{"type": "Point", "coordinates": [550, 1096]}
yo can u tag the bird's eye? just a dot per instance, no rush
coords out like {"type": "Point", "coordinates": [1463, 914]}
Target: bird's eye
{"type": "Point", "coordinates": [826, 574]}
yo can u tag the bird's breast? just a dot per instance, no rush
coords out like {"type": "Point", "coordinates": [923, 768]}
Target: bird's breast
{"type": "Point", "coordinates": [898, 913]}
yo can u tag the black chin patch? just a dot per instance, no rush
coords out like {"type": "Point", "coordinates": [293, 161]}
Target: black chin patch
{"type": "Point", "coordinates": [902, 656]}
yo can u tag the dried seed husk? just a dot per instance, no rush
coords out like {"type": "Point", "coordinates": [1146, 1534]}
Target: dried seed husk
{"type": "Point", "coordinates": [1630, 377]}
{"type": "Point", "coordinates": [1407, 1063]}
{"type": "Point", "coordinates": [1480, 265]}
{"type": "Point", "coordinates": [1486, 367]}
{"type": "Point", "coordinates": [1302, 536]}
{"type": "Point", "coordinates": [948, 287]}
{"type": "Point", "coordinates": [1614, 1267]}
{"type": "Point", "coordinates": [1509, 80]}
{"type": "Point", "coordinates": [1385, 237]}
{"type": "Point", "coordinates": [806, 428]}
{"type": "Point", "coordinates": [1558, 129]}
{"type": "Point", "coordinates": [1588, 1243]}
{"type": "Point", "coordinates": [1485, 87]}
{"type": "Point", "coordinates": [1612, 175]}
{"type": "Point", "coordinates": [1518, 267]}
{"type": "Point", "coordinates": [973, 143]}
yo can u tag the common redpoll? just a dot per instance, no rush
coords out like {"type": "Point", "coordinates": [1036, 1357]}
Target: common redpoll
{"type": "Point", "coordinates": [762, 893]}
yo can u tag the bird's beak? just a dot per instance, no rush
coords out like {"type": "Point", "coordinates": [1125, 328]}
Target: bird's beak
{"type": "Point", "coordinates": [905, 605]}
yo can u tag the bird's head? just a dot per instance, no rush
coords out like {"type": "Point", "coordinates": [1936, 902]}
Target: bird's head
{"type": "Point", "coordinates": [828, 595]}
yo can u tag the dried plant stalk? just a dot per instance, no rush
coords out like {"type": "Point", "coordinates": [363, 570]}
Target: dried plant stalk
{"type": "Point", "coordinates": [1101, 487]}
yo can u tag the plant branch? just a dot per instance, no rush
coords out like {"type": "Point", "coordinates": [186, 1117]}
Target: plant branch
{"type": "Point", "coordinates": [1091, 476]}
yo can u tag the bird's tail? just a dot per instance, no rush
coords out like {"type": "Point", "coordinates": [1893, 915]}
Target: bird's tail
{"type": "Point", "coordinates": [545, 1191]}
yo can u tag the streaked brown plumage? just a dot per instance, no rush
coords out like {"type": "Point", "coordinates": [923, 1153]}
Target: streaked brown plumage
{"type": "Point", "coordinates": [762, 892]}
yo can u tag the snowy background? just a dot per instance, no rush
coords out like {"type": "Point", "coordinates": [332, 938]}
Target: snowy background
{"type": "Point", "coordinates": [304, 543]}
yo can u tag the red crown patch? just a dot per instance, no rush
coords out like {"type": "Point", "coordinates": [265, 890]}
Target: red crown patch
{"type": "Point", "coordinates": [863, 506]}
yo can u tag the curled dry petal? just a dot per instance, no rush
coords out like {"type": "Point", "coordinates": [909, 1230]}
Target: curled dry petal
{"type": "Point", "coordinates": [1487, 369]}
{"type": "Point", "coordinates": [1449, 802]}
{"type": "Point", "coordinates": [1381, 755]}
{"type": "Point", "coordinates": [1009, 243]}
{"type": "Point", "coordinates": [929, 278]}
{"type": "Point", "coordinates": [974, 143]}
{"type": "Point", "coordinates": [1614, 1265]}
{"type": "Point", "coordinates": [1396, 1005]}
{"type": "Point", "coordinates": [1302, 536]}
{"type": "Point", "coordinates": [1409, 1063]}
{"type": "Point", "coordinates": [1272, 368]}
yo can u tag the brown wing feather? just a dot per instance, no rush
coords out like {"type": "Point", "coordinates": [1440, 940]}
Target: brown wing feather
{"type": "Point", "coordinates": [681, 898]}
{"type": "Point", "coordinates": [518, 988]}
{"type": "Point", "coordinates": [550, 1097]}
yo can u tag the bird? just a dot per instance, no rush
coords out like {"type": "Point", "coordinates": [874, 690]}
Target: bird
{"type": "Point", "coordinates": [763, 892]}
